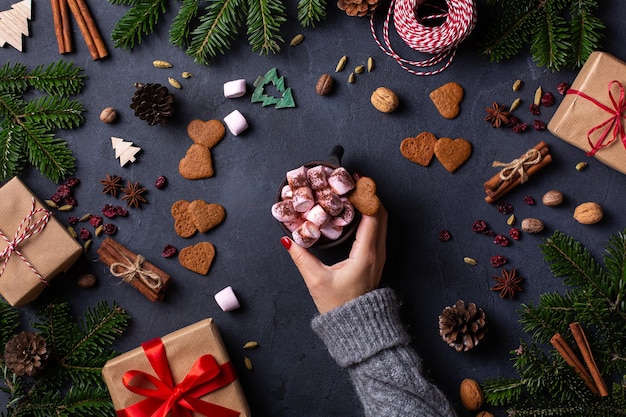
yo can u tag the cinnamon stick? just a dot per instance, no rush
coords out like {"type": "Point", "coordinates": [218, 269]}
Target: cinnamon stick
{"type": "Point", "coordinates": [88, 29]}
{"type": "Point", "coordinates": [112, 252]}
{"type": "Point", "coordinates": [585, 350]}
{"type": "Point", "coordinates": [572, 360]}
{"type": "Point", "coordinates": [66, 29]}
{"type": "Point", "coordinates": [61, 25]}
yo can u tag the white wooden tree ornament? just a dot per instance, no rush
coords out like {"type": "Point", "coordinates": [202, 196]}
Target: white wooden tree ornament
{"type": "Point", "coordinates": [14, 24]}
{"type": "Point", "coordinates": [124, 150]}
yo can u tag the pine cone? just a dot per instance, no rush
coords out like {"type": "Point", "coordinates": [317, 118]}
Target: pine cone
{"type": "Point", "coordinates": [461, 326]}
{"type": "Point", "coordinates": [26, 353]}
{"type": "Point", "coordinates": [358, 7]}
{"type": "Point", "coordinates": [153, 103]}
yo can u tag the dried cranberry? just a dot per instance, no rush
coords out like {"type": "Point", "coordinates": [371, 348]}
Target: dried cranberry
{"type": "Point", "coordinates": [562, 88]}
{"type": "Point", "coordinates": [95, 221]}
{"type": "Point", "coordinates": [84, 234]}
{"type": "Point", "coordinates": [489, 233]}
{"type": "Point", "coordinates": [64, 191]}
{"type": "Point", "coordinates": [57, 198]}
{"type": "Point", "coordinates": [479, 226]}
{"type": "Point", "coordinates": [169, 251]}
{"type": "Point", "coordinates": [515, 233]}
{"type": "Point", "coordinates": [121, 211]}
{"type": "Point", "coordinates": [520, 127]}
{"type": "Point", "coordinates": [497, 261]}
{"type": "Point", "coordinates": [71, 201]}
{"type": "Point", "coordinates": [513, 120]}
{"type": "Point", "coordinates": [444, 235]}
{"type": "Point", "coordinates": [501, 240]}
{"type": "Point", "coordinates": [529, 200]}
{"type": "Point", "coordinates": [505, 208]}
{"type": "Point", "coordinates": [534, 109]}
{"type": "Point", "coordinates": [109, 229]}
{"type": "Point", "coordinates": [547, 99]}
{"type": "Point", "coordinates": [72, 182]}
{"type": "Point", "coordinates": [161, 182]}
{"type": "Point", "coordinates": [539, 125]}
{"type": "Point", "coordinates": [72, 220]}
{"type": "Point", "coordinates": [109, 211]}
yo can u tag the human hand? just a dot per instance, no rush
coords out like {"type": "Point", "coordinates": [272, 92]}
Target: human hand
{"type": "Point", "coordinates": [333, 285]}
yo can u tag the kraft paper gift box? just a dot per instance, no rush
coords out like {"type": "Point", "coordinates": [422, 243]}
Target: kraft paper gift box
{"type": "Point", "coordinates": [592, 112]}
{"type": "Point", "coordinates": [185, 351]}
{"type": "Point", "coordinates": [32, 251]}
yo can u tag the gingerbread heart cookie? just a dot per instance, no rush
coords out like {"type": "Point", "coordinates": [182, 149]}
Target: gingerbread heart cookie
{"type": "Point", "coordinates": [364, 197]}
{"type": "Point", "coordinates": [183, 222]}
{"type": "Point", "coordinates": [197, 258]}
{"type": "Point", "coordinates": [447, 99]}
{"type": "Point", "coordinates": [419, 149]}
{"type": "Point", "coordinates": [206, 216]}
{"type": "Point", "coordinates": [207, 133]}
{"type": "Point", "coordinates": [452, 153]}
{"type": "Point", "coordinates": [197, 163]}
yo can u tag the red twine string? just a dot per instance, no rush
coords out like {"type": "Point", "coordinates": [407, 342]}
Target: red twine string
{"type": "Point", "coordinates": [25, 230]}
{"type": "Point", "coordinates": [613, 124]}
{"type": "Point", "coordinates": [205, 376]}
{"type": "Point", "coordinates": [439, 40]}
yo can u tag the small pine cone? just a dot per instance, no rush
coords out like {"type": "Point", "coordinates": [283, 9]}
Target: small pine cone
{"type": "Point", "coordinates": [462, 326]}
{"type": "Point", "coordinates": [26, 353]}
{"type": "Point", "coordinates": [358, 7]}
{"type": "Point", "coordinates": [152, 102]}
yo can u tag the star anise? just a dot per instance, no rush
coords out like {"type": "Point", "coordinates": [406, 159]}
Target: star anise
{"type": "Point", "coordinates": [497, 114]}
{"type": "Point", "coordinates": [111, 184]}
{"type": "Point", "coordinates": [133, 194]}
{"type": "Point", "coordinates": [508, 284]}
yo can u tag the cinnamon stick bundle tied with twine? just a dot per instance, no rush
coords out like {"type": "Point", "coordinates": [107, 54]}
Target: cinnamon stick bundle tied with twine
{"type": "Point", "coordinates": [516, 172]}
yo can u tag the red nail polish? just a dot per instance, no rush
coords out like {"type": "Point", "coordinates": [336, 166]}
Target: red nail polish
{"type": "Point", "coordinates": [286, 242]}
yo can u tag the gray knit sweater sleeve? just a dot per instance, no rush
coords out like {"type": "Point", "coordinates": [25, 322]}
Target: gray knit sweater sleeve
{"type": "Point", "coordinates": [366, 337]}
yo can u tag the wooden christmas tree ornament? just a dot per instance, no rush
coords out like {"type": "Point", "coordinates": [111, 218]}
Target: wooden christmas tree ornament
{"type": "Point", "coordinates": [14, 24]}
{"type": "Point", "coordinates": [124, 150]}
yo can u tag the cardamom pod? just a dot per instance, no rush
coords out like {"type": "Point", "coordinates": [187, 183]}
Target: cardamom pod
{"type": "Point", "coordinates": [538, 94]}
{"type": "Point", "coordinates": [99, 230]}
{"type": "Point", "coordinates": [87, 245]}
{"type": "Point", "coordinates": [161, 64]}
{"type": "Point", "coordinates": [85, 217]}
{"type": "Point", "coordinates": [517, 84]}
{"type": "Point", "coordinates": [470, 261]}
{"type": "Point", "coordinates": [297, 39]}
{"type": "Point", "coordinates": [174, 83]}
{"type": "Point", "coordinates": [341, 64]}
{"type": "Point", "coordinates": [72, 232]}
{"type": "Point", "coordinates": [251, 345]}
{"type": "Point", "coordinates": [511, 220]}
{"type": "Point", "coordinates": [580, 166]}
{"type": "Point", "coordinates": [248, 363]}
{"type": "Point", "coordinates": [370, 64]}
{"type": "Point", "coordinates": [51, 204]}
{"type": "Point", "coordinates": [186, 74]}
{"type": "Point", "coordinates": [351, 78]}
{"type": "Point", "coordinates": [359, 69]}
{"type": "Point", "coordinates": [66, 207]}
{"type": "Point", "coordinates": [515, 104]}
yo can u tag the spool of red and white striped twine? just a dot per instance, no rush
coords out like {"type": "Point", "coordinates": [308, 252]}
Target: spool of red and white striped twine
{"type": "Point", "coordinates": [441, 41]}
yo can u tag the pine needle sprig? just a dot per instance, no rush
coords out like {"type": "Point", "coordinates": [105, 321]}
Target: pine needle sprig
{"type": "Point", "coordinates": [9, 323]}
{"type": "Point", "coordinates": [13, 78]}
{"type": "Point", "coordinates": [181, 26]}
{"type": "Point", "coordinates": [264, 20]}
{"type": "Point", "coordinates": [311, 12]}
{"type": "Point", "coordinates": [140, 20]}
{"type": "Point", "coordinates": [59, 78]}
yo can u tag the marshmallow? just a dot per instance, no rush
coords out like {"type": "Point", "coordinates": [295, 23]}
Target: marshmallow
{"type": "Point", "coordinates": [297, 178]}
{"type": "Point", "coordinates": [293, 225]}
{"type": "Point", "coordinates": [330, 231]}
{"type": "Point", "coordinates": [340, 181]}
{"type": "Point", "coordinates": [235, 88]}
{"type": "Point", "coordinates": [283, 211]}
{"type": "Point", "coordinates": [317, 215]}
{"type": "Point", "coordinates": [306, 234]}
{"type": "Point", "coordinates": [236, 122]}
{"type": "Point", "coordinates": [302, 199]}
{"type": "Point", "coordinates": [346, 216]}
{"type": "Point", "coordinates": [286, 192]}
{"type": "Point", "coordinates": [331, 203]}
{"type": "Point", "coordinates": [226, 299]}
{"type": "Point", "coordinates": [317, 177]}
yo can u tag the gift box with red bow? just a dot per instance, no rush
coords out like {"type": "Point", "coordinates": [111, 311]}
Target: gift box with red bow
{"type": "Point", "coordinates": [592, 114]}
{"type": "Point", "coordinates": [185, 373]}
{"type": "Point", "coordinates": [34, 245]}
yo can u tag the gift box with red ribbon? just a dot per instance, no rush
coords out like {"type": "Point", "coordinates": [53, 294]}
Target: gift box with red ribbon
{"type": "Point", "coordinates": [34, 246]}
{"type": "Point", "coordinates": [185, 373]}
{"type": "Point", "coordinates": [592, 114]}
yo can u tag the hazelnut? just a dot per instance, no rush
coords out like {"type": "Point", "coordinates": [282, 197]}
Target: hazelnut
{"type": "Point", "coordinates": [588, 213]}
{"type": "Point", "coordinates": [472, 396]}
{"type": "Point", "coordinates": [108, 115]}
{"type": "Point", "coordinates": [552, 198]}
{"type": "Point", "coordinates": [324, 85]}
{"type": "Point", "coordinates": [384, 100]}
{"type": "Point", "coordinates": [484, 414]}
{"type": "Point", "coordinates": [86, 281]}
{"type": "Point", "coordinates": [530, 225]}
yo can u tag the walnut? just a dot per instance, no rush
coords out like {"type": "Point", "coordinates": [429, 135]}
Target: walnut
{"type": "Point", "coordinates": [384, 100]}
{"type": "Point", "coordinates": [588, 213]}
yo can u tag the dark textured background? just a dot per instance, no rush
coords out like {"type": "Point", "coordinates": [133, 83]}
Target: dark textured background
{"type": "Point", "coordinates": [293, 374]}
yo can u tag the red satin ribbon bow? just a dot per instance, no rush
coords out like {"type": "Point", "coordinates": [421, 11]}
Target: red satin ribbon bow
{"type": "Point", "coordinates": [613, 123]}
{"type": "Point", "coordinates": [205, 376]}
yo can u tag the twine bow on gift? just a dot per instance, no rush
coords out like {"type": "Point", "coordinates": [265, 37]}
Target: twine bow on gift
{"type": "Point", "coordinates": [25, 230]}
{"type": "Point", "coordinates": [614, 123]}
{"type": "Point", "coordinates": [205, 376]}
{"type": "Point", "coordinates": [130, 270]}
{"type": "Point", "coordinates": [517, 166]}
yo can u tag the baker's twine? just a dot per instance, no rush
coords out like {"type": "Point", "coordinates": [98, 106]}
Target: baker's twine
{"type": "Point", "coordinates": [441, 41]}
{"type": "Point", "coordinates": [25, 230]}
{"type": "Point", "coordinates": [530, 158]}
{"type": "Point", "coordinates": [131, 270]}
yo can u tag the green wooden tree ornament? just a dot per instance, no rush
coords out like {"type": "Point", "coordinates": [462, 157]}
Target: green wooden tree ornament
{"type": "Point", "coordinates": [260, 96]}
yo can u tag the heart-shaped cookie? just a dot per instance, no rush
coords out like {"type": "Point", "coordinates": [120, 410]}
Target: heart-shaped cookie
{"type": "Point", "coordinates": [419, 149]}
{"type": "Point", "coordinates": [206, 216]}
{"type": "Point", "coordinates": [452, 153]}
{"type": "Point", "coordinates": [364, 197]}
{"type": "Point", "coordinates": [447, 99]}
{"type": "Point", "coordinates": [197, 258]}
{"type": "Point", "coordinates": [183, 222]}
{"type": "Point", "coordinates": [197, 163]}
{"type": "Point", "coordinates": [207, 133]}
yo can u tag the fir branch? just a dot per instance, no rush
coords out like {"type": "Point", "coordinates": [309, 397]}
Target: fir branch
{"type": "Point", "coordinates": [13, 78]}
{"type": "Point", "coordinates": [550, 43]}
{"type": "Point", "coordinates": [11, 157]}
{"type": "Point", "coordinates": [179, 31]}
{"type": "Point", "coordinates": [140, 20]}
{"type": "Point", "coordinates": [59, 78]}
{"type": "Point", "coordinates": [8, 324]}
{"type": "Point", "coordinates": [311, 11]}
{"type": "Point", "coordinates": [264, 20]}
{"type": "Point", "coordinates": [47, 153]}
{"type": "Point", "coordinates": [55, 112]}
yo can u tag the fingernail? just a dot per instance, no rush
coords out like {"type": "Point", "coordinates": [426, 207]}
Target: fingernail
{"type": "Point", "coordinates": [286, 242]}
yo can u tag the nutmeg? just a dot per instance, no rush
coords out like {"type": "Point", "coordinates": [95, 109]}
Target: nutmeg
{"type": "Point", "coordinates": [324, 85]}
{"type": "Point", "coordinates": [588, 213]}
{"type": "Point", "coordinates": [472, 396]}
{"type": "Point", "coordinates": [552, 198]}
{"type": "Point", "coordinates": [108, 115]}
{"type": "Point", "coordinates": [384, 100]}
{"type": "Point", "coordinates": [531, 225]}
{"type": "Point", "coordinates": [484, 414]}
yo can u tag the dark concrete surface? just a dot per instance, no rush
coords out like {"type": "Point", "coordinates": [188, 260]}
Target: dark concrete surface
{"type": "Point", "coordinates": [293, 374]}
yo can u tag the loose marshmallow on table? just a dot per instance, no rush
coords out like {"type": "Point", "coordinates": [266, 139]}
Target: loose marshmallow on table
{"type": "Point", "coordinates": [302, 199]}
{"type": "Point", "coordinates": [226, 299]}
{"type": "Point", "coordinates": [236, 122]}
{"type": "Point", "coordinates": [340, 181]}
{"type": "Point", "coordinates": [235, 88]}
